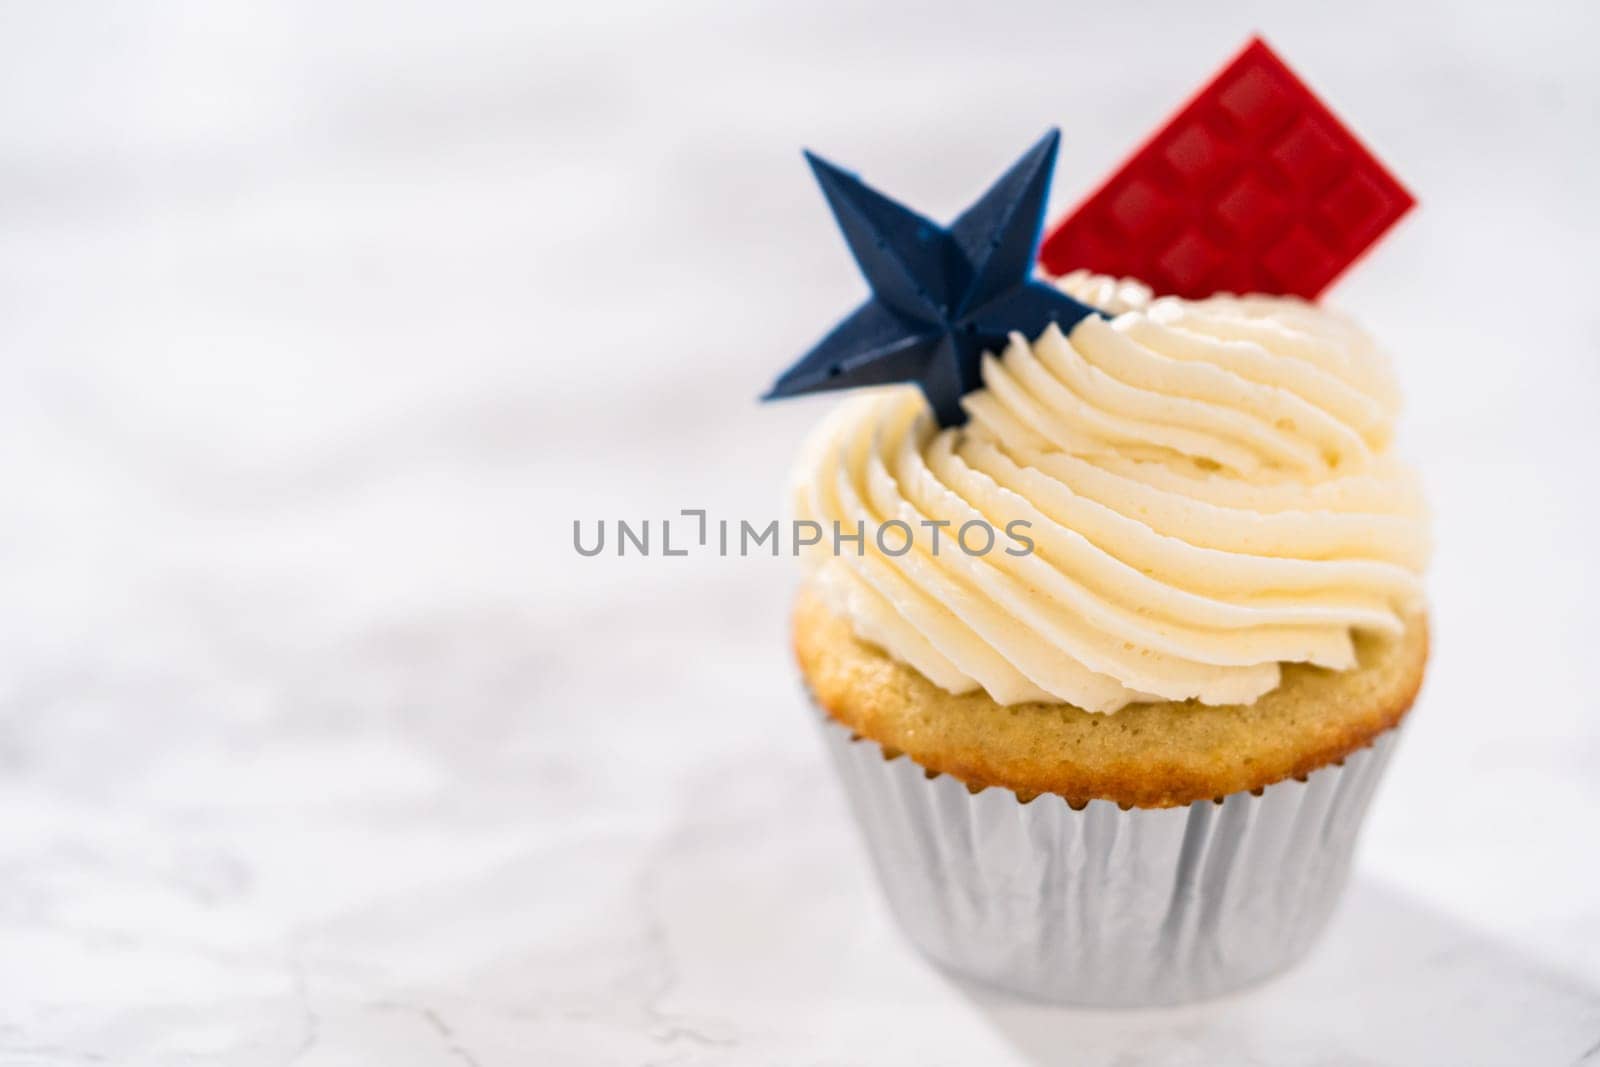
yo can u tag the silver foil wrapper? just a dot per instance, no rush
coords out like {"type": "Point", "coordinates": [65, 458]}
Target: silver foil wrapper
{"type": "Point", "coordinates": [1105, 906]}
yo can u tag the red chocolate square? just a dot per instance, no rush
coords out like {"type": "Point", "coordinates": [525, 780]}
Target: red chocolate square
{"type": "Point", "coordinates": [1253, 186]}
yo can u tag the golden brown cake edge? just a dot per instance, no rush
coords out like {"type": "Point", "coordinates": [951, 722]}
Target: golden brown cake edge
{"type": "Point", "coordinates": [1146, 755]}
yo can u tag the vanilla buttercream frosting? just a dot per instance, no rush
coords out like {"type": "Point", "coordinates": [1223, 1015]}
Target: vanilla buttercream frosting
{"type": "Point", "coordinates": [1166, 505]}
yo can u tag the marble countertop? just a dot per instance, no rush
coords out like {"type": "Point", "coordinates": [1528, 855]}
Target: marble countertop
{"type": "Point", "coordinates": [321, 324]}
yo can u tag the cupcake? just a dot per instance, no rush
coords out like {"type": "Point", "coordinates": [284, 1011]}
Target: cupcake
{"type": "Point", "coordinates": [1113, 607]}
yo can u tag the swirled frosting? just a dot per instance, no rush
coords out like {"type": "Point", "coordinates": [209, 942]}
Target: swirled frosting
{"type": "Point", "coordinates": [1181, 500]}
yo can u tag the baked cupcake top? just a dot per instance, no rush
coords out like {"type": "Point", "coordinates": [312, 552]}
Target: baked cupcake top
{"type": "Point", "coordinates": [1092, 496]}
{"type": "Point", "coordinates": [1164, 505]}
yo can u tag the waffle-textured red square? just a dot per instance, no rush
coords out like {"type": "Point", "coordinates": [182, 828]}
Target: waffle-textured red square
{"type": "Point", "coordinates": [1253, 187]}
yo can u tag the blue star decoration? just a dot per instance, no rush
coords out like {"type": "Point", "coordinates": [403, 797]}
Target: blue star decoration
{"type": "Point", "coordinates": [941, 296]}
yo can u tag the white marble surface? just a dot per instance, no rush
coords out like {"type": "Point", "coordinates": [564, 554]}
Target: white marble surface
{"type": "Point", "coordinates": [320, 323]}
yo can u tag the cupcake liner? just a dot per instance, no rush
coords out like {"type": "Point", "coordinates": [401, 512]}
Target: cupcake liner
{"type": "Point", "coordinates": [1104, 906]}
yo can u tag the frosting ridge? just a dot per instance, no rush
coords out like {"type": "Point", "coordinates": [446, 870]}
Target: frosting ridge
{"type": "Point", "coordinates": [1206, 488]}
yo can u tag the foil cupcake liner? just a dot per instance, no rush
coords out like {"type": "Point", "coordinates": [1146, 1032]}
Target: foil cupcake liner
{"type": "Point", "coordinates": [1105, 906]}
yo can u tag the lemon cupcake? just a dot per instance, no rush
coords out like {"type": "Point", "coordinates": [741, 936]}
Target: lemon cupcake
{"type": "Point", "coordinates": [1112, 621]}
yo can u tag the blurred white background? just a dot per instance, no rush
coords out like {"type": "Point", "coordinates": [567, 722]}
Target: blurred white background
{"type": "Point", "coordinates": [321, 323]}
